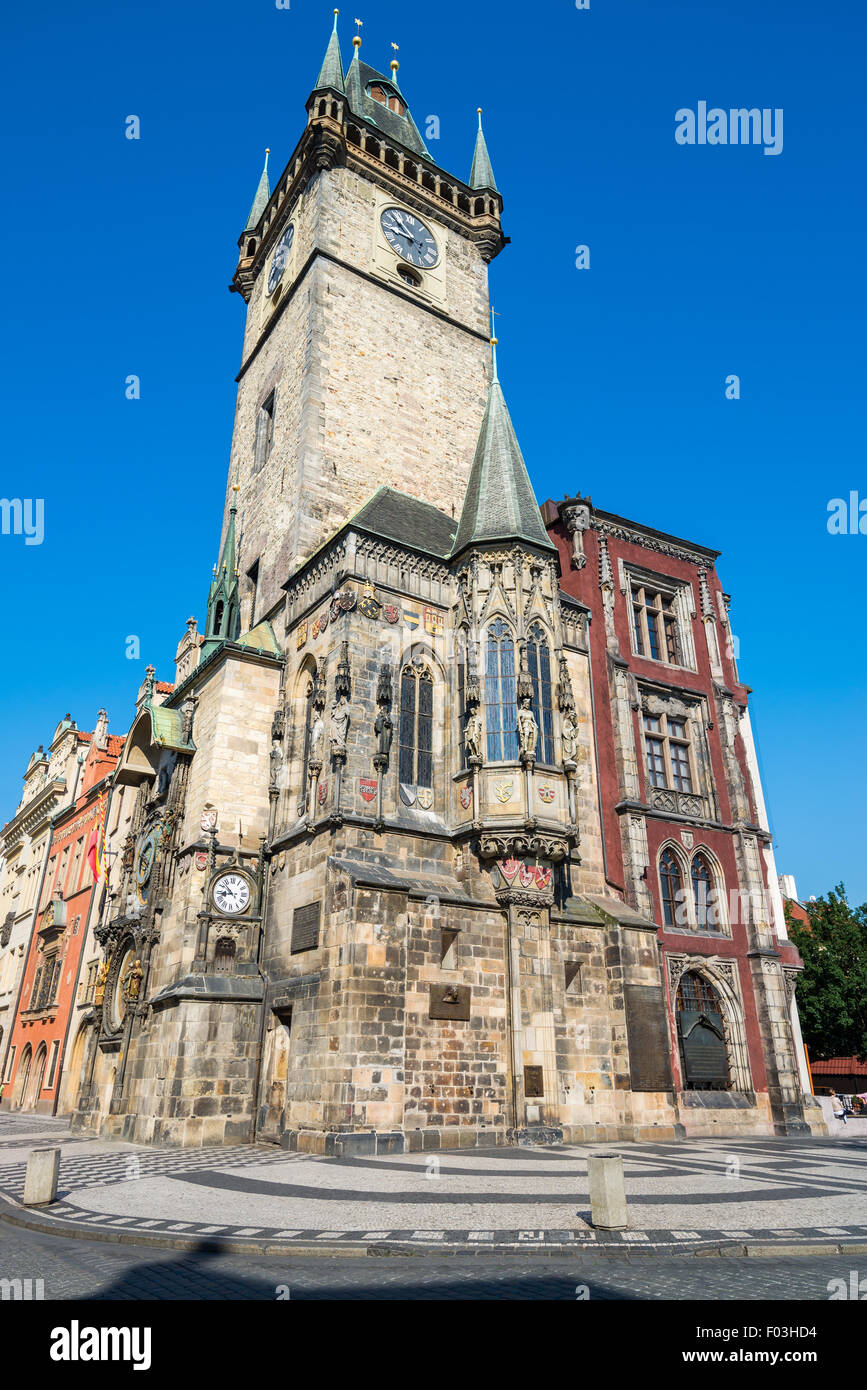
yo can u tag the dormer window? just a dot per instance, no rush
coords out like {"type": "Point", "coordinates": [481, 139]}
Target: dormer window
{"type": "Point", "coordinates": [387, 97]}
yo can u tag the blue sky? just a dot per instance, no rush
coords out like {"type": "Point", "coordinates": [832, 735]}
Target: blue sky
{"type": "Point", "coordinates": [704, 261]}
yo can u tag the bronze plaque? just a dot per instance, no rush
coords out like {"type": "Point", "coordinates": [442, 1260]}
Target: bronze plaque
{"type": "Point", "coordinates": [534, 1086]}
{"type": "Point", "coordinates": [450, 1001]}
{"type": "Point", "coordinates": [305, 927]}
{"type": "Point", "coordinates": [647, 1034]}
{"type": "Point", "coordinates": [704, 1050]}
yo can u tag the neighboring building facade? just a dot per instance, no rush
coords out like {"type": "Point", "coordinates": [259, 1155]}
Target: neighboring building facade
{"type": "Point", "coordinates": [686, 832]}
{"type": "Point", "coordinates": [51, 781]}
{"type": "Point", "coordinates": [371, 890]}
{"type": "Point", "coordinates": [50, 983]}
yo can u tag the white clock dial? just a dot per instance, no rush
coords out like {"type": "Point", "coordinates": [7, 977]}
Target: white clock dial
{"type": "Point", "coordinates": [281, 256]}
{"type": "Point", "coordinates": [231, 893]}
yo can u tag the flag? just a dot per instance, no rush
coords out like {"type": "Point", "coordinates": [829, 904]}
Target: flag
{"type": "Point", "coordinates": [96, 845]}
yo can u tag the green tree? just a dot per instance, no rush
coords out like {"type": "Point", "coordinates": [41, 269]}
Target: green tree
{"type": "Point", "coordinates": [832, 992]}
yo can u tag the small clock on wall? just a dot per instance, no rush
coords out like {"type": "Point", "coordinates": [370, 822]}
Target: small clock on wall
{"type": "Point", "coordinates": [281, 256]}
{"type": "Point", "coordinates": [144, 860]}
{"type": "Point", "coordinates": [230, 893]}
{"type": "Point", "coordinates": [409, 237]}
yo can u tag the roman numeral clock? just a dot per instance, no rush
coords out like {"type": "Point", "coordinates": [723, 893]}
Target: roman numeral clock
{"type": "Point", "coordinates": [231, 914]}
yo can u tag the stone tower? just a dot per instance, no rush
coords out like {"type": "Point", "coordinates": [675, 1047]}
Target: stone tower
{"type": "Point", "coordinates": [366, 340]}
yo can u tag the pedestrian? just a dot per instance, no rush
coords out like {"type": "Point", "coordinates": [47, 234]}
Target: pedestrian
{"type": "Point", "coordinates": [844, 1109]}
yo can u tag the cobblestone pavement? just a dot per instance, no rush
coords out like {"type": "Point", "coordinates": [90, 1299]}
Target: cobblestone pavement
{"type": "Point", "coordinates": [80, 1269]}
{"type": "Point", "coordinates": [690, 1194]}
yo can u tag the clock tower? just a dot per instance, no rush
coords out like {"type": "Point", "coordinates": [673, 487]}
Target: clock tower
{"type": "Point", "coordinates": [366, 346]}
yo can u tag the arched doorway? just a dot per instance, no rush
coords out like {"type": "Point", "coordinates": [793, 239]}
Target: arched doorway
{"type": "Point", "coordinates": [74, 1074]}
{"type": "Point", "coordinates": [34, 1083]}
{"type": "Point", "coordinates": [701, 1035]}
{"type": "Point", "coordinates": [22, 1078]}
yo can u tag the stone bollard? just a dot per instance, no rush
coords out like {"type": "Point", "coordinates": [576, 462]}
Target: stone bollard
{"type": "Point", "coordinates": [607, 1192]}
{"type": "Point", "coordinates": [40, 1184]}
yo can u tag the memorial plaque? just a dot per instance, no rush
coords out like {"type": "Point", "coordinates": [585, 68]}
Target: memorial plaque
{"type": "Point", "coordinates": [534, 1086]}
{"type": "Point", "coordinates": [647, 1034]}
{"type": "Point", "coordinates": [704, 1051]}
{"type": "Point", "coordinates": [305, 927]}
{"type": "Point", "coordinates": [450, 1001]}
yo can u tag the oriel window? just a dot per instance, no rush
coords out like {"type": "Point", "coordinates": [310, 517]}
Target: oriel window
{"type": "Point", "coordinates": [501, 708]}
{"type": "Point", "coordinates": [666, 745]}
{"type": "Point", "coordinates": [654, 625]}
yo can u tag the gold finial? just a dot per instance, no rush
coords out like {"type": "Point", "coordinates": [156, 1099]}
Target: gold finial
{"type": "Point", "coordinates": [236, 487]}
{"type": "Point", "coordinates": [267, 151]}
{"type": "Point", "coordinates": [394, 64]}
{"type": "Point", "coordinates": [479, 114]}
{"type": "Point", "coordinates": [356, 42]}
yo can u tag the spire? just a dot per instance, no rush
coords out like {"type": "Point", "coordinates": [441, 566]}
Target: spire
{"type": "Point", "coordinates": [500, 504]}
{"type": "Point", "coordinates": [362, 81]}
{"type": "Point", "coordinates": [224, 609]}
{"type": "Point", "coordinates": [260, 202]}
{"type": "Point", "coordinates": [481, 174]}
{"type": "Point", "coordinates": [331, 72]}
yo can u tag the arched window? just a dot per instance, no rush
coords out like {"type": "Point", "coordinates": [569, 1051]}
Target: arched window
{"type": "Point", "coordinates": [671, 885]}
{"type": "Point", "coordinates": [415, 761]}
{"type": "Point", "coordinates": [462, 694]}
{"type": "Point", "coordinates": [539, 662]}
{"type": "Point", "coordinates": [218, 619]}
{"type": "Point", "coordinates": [501, 709]}
{"type": "Point", "coordinates": [701, 1035]}
{"type": "Point", "coordinates": [702, 887]}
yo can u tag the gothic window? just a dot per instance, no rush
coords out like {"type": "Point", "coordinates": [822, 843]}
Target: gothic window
{"type": "Point", "coordinates": [666, 743]}
{"type": "Point", "coordinates": [218, 618]}
{"type": "Point", "coordinates": [416, 727]}
{"type": "Point", "coordinates": [654, 624]}
{"type": "Point", "coordinates": [701, 1035]}
{"type": "Point", "coordinates": [462, 695]}
{"type": "Point", "coordinates": [501, 708]}
{"type": "Point", "coordinates": [671, 886]}
{"type": "Point", "coordinates": [539, 662]}
{"type": "Point", "coordinates": [702, 887]}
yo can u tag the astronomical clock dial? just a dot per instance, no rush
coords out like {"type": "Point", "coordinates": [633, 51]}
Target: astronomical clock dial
{"type": "Point", "coordinates": [231, 894]}
{"type": "Point", "coordinates": [281, 256]}
{"type": "Point", "coordinates": [409, 237]}
{"type": "Point", "coordinates": [144, 860]}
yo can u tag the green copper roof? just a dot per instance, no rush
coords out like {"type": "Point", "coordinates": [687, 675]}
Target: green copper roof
{"type": "Point", "coordinates": [500, 504]}
{"type": "Point", "coordinates": [481, 174]}
{"type": "Point", "coordinates": [331, 72]}
{"type": "Point", "coordinates": [167, 726]}
{"type": "Point", "coordinates": [223, 620]}
{"type": "Point", "coordinates": [260, 202]}
{"type": "Point", "coordinates": [261, 638]}
{"type": "Point", "coordinates": [403, 129]}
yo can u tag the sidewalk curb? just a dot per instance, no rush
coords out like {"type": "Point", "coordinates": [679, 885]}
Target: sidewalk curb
{"type": "Point", "coordinates": [13, 1214]}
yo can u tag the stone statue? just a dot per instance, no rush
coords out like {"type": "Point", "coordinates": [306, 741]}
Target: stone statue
{"type": "Point", "coordinates": [276, 764]}
{"type": "Point", "coordinates": [570, 737]}
{"type": "Point", "coordinates": [317, 738]}
{"type": "Point", "coordinates": [473, 734]}
{"type": "Point", "coordinates": [528, 730]}
{"type": "Point", "coordinates": [384, 730]}
{"type": "Point", "coordinates": [339, 725]}
{"type": "Point", "coordinates": [101, 977]}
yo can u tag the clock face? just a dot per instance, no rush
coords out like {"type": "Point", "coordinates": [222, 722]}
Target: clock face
{"type": "Point", "coordinates": [231, 893]}
{"type": "Point", "coordinates": [281, 256]}
{"type": "Point", "coordinates": [409, 237]}
{"type": "Point", "coordinates": [145, 860]}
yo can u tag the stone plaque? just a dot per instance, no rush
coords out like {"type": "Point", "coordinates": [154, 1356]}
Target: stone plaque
{"type": "Point", "coordinates": [305, 927]}
{"type": "Point", "coordinates": [704, 1050]}
{"type": "Point", "coordinates": [647, 1033]}
{"type": "Point", "coordinates": [450, 1001]}
{"type": "Point", "coordinates": [534, 1086]}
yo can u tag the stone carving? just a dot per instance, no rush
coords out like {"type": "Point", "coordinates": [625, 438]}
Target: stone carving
{"type": "Point", "coordinates": [576, 519]}
{"type": "Point", "coordinates": [131, 986]}
{"type": "Point", "coordinates": [317, 739]}
{"type": "Point", "coordinates": [474, 734]}
{"type": "Point", "coordinates": [384, 730]}
{"type": "Point", "coordinates": [569, 733]}
{"type": "Point", "coordinates": [528, 730]}
{"type": "Point", "coordinates": [511, 844]}
{"type": "Point", "coordinates": [339, 726]}
{"type": "Point", "coordinates": [101, 977]}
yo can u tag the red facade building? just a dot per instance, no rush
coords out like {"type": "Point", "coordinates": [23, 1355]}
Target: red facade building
{"type": "Point", "coordinates": [685, 830]}
{"type": "Point", "coordinates": [34, 1069]}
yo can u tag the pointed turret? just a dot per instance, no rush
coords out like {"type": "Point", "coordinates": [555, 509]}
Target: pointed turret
{"type": "Point", "coordinates": [224, 607]}
{"type": "Point", "coordinates": [260, 202]}
{"type": "Point", "coordinates": [500, 504]}
{"type": "Point", "coordinates": [481, 174]}
{"type": "Point", "coordinates": [331, 72]}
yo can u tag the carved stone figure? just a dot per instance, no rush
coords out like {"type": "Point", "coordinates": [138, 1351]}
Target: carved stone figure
{"type": "Point", "coordinates": [276, 765]}
{"type": "Point", "coordinates": [473, 734]}
{"type": "Point", "coordinates": [317, 738]}
{"type": "Point", "coordinates": [528, 729]}
{"type": "Point", "coordinates": [339, 725]}
{"type": "Point", "coordinates": [132, 981]}
{"type": "Point", "coordinates": [570, 738]}
{"type": "Point", "coordinates": [384, 730]}
{"type": "Point", "coordinates": [101, 977]}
